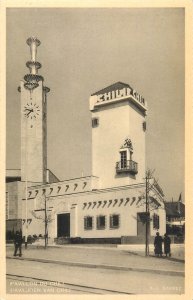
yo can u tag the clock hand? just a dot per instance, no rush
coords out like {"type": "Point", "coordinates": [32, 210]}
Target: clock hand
{"type": "Point", "coordinates": [30, 110]}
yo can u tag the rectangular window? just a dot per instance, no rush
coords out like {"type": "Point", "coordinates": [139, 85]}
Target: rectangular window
{"type": "Point", "coordinates": [88, 223]}
{"type": "Point", "coordinates": [101, 222]}
{"type": "Point", "coordinates": [144, 126]}
{"type": "Point", "coordinates": [95, 122]}
{"type": "Point", "coordinates": [123, 159]}
{"type": "Point", "coordinates": [114, 221]}
{"type": "Point", "coordinates": [155, 221]}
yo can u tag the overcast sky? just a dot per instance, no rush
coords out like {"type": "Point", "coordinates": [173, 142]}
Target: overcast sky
{"type": "Point", "coordinates": [84, 50]}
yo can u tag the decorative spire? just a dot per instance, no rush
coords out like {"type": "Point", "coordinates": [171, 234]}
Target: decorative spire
{"type": "Point", "coordinates": [33, 65]}
{"type": "Point", "coordinates": [33, 42]}
{"type": "Point", "coordinates": [46, 89]}
{"type": "Point", "coordinates": [32, 78]}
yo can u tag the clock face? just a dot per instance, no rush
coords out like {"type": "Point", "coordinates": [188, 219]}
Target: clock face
{"type": "Point", "coordinates": [31, 110]}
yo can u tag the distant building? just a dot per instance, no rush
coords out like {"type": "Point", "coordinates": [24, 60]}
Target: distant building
{"type": "Point", "coordinates": [109, 205]}
{"type": "Point", "coordinates": [175, 217]}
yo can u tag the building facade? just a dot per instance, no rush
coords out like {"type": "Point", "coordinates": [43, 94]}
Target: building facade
{"type": "Point", "coordinates": [175, 218]}
{"type": "Point", "coordinates": [109, 205]}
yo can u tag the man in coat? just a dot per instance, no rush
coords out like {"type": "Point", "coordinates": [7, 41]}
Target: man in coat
{"type": "Point", "coordinates": [167, 242]}
{"type": "Point", "coordinates": [17, 243]}
{"type": "Point", "coordinates": [158, 245]}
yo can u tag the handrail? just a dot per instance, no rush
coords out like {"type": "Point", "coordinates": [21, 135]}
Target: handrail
{"type": "Point", "coordinates": [127, 166]}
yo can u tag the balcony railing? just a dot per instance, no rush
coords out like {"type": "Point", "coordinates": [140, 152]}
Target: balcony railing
{"type": "Point", "coordinates": [128, 166]}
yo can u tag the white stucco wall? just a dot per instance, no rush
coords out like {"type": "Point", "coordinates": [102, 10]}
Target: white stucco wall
{"type": "Point", "coordinates": [94, 203]}
{"type": "Point", "coordinates": [117, 121]}
{"type": "Point", "coordinates": [33, 160]}
{"type": "Point", "coordinates": [137, 134]}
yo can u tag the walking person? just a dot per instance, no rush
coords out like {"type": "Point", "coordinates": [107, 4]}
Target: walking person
{"type": "Point", "coordinates": [17, 243]}
{"type": "Point", "coordinates": [167, 243]}
{"type": "Point", "coordinates": [158, 245]}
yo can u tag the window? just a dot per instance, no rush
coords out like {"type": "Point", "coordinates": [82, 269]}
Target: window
{"type": "Point", "coordinates": [101, 222]}
{"type": "Point", "coordinates": [95, 122]}
{"type": "Point", "coordinates": [114, 221]}
{"type": "Point", "coordinates": [123, 159]}
{"type": "Point", "coordinates": [88, 223]}
{"type": "Point", "coordinates": [144, 126]}
{"type": "Point", "coordinates": [155, 221]}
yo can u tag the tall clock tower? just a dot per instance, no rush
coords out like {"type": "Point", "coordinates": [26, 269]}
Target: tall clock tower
{"type": "Point", "coordinates": [33, 120]}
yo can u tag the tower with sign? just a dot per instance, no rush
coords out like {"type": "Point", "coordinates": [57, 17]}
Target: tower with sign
{"type": "Point", "coordinates": [118, 135]}
{"type": "Point", "coordinates": [33, 120]}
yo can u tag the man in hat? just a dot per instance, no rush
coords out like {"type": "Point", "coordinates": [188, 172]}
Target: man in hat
{"type": "Point", "coordinates": [17, 243]}
{"type": "Point", "coordinates": [158, 245]}
{"type": "Point", "coordinates": [167, 242]}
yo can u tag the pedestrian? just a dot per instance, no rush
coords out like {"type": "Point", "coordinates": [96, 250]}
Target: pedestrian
{"type": "Point", "coordinates": [167, 243]}
{"type": "Point", "coordinates": [17, 243]}
{"type": "Point", "coordinates": [158, 245]}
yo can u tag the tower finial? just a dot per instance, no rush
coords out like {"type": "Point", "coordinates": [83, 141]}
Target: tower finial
{"type": "Point", "coordinates": [33, 78]}
{"type": "Point", "coordinates": [33, 42]}
{"type": "Point", "coordinates": [33, 65]}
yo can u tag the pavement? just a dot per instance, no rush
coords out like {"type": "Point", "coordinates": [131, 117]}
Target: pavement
{"type": "Point", "coordinates": [116, 257]}
{"type": "Point", "coordinates": [177, 251]}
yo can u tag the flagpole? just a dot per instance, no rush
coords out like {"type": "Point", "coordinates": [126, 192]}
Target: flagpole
{"type": "Point", "coordinates": [179, 201]}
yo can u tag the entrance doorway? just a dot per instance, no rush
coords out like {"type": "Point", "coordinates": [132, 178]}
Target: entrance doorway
{"type": "Point", "coordinates": [141, 224]}
{"type": "Point", "coordinates": [63, 225]}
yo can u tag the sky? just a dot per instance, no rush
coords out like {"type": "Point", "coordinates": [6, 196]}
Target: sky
{"type": "Point", "coordinates": [84, 50]}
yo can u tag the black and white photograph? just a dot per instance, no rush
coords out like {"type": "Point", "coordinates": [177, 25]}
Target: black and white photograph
{"type": "Point", "coordinates": [95, 191]}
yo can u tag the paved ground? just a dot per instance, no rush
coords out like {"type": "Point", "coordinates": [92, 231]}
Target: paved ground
{"type": "Point", "coordinates": [177, 250]}
{"type": "Point", "coordinates": [98, 256]}
{"type": "Point", "coordinates": [94, 269]}
{"type": "Point", "coordinates": [76, 279]}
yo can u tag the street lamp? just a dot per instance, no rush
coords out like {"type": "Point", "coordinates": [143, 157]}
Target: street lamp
{"type": "Point", "coordinates": [147, 215]}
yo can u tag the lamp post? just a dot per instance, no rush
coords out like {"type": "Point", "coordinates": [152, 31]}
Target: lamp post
{"type": "Point", "coordinates": [45, 210]}
{"type": "Point", "coordinates": [26, 224]}
{"type": "Point", "coordinates": [26, 184]}
{"type": "Point", "coordinates": [147, 216]}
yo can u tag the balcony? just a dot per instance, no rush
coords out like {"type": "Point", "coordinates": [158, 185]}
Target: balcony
{"type": "Point", "coordinates": [128, 166]}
